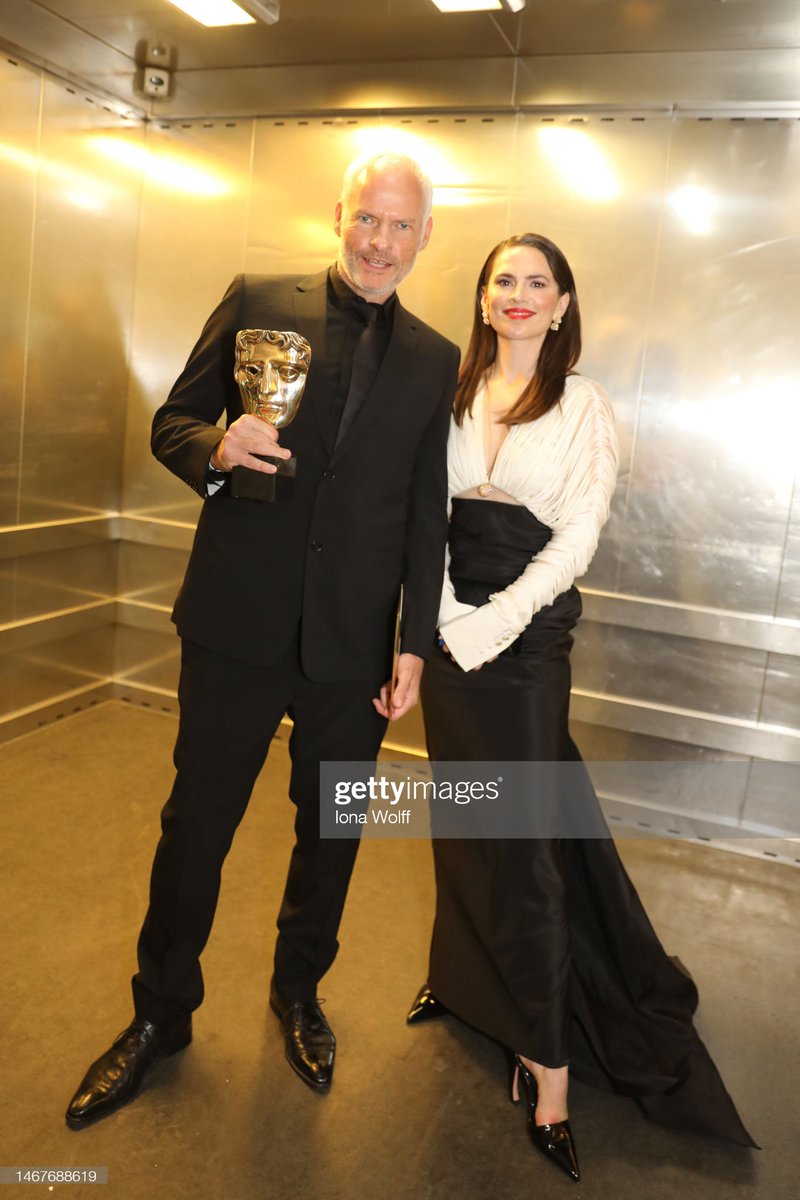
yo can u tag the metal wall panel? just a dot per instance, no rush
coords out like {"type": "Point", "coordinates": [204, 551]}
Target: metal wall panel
{"type": "Point", "coordinates": [781, 700]}
{"type": "Point", "coordinates": [67, 252]}
{"type": "Point", "coordinates": [39, 30]}
{"type": "Point", "coordinates": [36, 675]}
{"type": "Point", "coordinates": [80, 309]}
{"type": "Point", "coordinates": [605, 26]}
{"type": "Point", "coordinates": [788, 605]}
{"type": "Point", "coordinates": [718, 437]}
{"type": "Point", "coordinates": [194, 204]}
{"type": "Point", "coordinates": [684, 673]}
{"type": "Point", "coordinates": [583, 182]}
{"type": "Point", "coordinates": [20, 98]}
{"type": "Point", "coordinates": [37, 584]}
{"type": "Point", "coordinates": [150, 574]}
{"type": "Point", "coordinates": [146, 660]}
{"type": "Point", "coordinates": [692, 78]}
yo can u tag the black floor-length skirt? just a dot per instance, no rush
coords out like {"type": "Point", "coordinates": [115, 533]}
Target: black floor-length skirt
{"type": "Point", "coordinates": [544, 944]}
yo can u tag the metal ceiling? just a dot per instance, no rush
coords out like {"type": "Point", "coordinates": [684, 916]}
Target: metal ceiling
{"type": "Point", "coordinates": [409, 47]}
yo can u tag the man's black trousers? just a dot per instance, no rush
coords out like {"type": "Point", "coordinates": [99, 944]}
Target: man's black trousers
{"type": "Point", "coordinates": [229, 712]}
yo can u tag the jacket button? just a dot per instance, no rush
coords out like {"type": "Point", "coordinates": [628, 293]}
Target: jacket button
{"type": "Point", "coordinates": [328, 474]}
{"type": "Point", "coordinates": [315, 545]}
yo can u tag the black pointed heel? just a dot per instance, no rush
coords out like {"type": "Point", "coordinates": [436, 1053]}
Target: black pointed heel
{"type": "Point", "coordinates": [553, 1141]}
{"type": "Point", "coordinates": [425, 1007]}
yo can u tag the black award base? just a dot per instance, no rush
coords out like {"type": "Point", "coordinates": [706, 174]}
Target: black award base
{"type": "Point", "coordinates": [255, 485]}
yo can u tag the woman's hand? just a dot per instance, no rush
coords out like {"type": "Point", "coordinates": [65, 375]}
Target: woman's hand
{"type": "Point", "coordinates": [443, 646]}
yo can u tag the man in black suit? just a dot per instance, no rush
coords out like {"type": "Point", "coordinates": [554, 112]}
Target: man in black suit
{"type": "Point", "coordinates": [289, 606]}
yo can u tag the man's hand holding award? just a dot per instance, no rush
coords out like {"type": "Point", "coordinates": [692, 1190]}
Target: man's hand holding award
{"type": "Point", "coordinates": [271, 370]}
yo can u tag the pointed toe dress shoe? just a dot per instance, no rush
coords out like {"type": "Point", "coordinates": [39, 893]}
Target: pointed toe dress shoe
{"type": "Point", "coordinates": [116, 1077]}
{"type": "Point", "coordinates": [308, 1038]}
{"type": "Point", "coordinates": [425, 1007]}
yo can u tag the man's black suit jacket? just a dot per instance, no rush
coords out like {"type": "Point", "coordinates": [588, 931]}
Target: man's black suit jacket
{"type": "Point", "coordinates": [364, 518]}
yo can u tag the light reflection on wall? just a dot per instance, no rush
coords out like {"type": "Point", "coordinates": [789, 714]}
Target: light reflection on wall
{"type": "Point", "coordinates": [164, 169]}
{"type": "Point", "coordinates": [752, 423]}
{"type": "Point", "coordinates": [580, 162]}
{"type": "Point", "coordinates": [444, 172]}
{"type": "Point", "coordinates": [81, 189]}
{"type": "Point", "coordinates": [695, 207]}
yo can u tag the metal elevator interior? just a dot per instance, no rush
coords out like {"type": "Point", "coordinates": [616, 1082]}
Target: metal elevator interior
{"type": "Point", "coordinates": [658, 144]}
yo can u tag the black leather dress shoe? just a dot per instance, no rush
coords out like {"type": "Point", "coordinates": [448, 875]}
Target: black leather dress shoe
{"type": "Point", "coordinates": [425, 1007]}
{"type": "Point", "coordinates": [116, 1077]}
{"type": "Point", "coordinates": [309, 1040]}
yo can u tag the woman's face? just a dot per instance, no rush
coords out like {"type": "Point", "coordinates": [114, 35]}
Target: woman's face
{"type": "Point", "coordinates": [521, 297]}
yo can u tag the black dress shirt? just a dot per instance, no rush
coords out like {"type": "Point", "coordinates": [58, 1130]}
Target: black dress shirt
{"type": "Point", "coordinates": [345, 323]}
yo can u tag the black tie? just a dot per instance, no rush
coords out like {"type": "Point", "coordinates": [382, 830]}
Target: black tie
{"type": "Point", "coordinates": [366, 360]}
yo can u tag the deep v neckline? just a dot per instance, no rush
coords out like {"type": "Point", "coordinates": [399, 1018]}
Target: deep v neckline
{"type": "Point", "coordinates": [484, 434]}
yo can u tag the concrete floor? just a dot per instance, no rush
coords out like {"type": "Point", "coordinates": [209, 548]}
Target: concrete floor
{"type": "Point", "coordinates": [416, 1113]}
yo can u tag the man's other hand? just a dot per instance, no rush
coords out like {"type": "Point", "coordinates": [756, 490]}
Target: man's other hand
{"type": "Point", "coordinates": [404, 695]}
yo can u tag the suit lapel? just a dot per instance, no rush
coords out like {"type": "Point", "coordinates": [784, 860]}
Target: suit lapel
{"type": "Point", "coordinates": [394, 370]}
{"type": "Point", "coordinates": [310, 303]}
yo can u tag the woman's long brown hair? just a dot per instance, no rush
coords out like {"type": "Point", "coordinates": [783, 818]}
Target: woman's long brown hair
{"type": "Point", "coordinates": [560, 350]}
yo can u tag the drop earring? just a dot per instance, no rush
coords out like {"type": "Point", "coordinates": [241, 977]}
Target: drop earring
{"type": "Point", "coordinates": [555, 324]}
{"type": "Point", "coordinates": [485, 315]}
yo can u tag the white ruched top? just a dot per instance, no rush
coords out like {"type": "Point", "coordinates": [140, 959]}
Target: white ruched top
{"type": "Point", "coordinates": [563, 468]}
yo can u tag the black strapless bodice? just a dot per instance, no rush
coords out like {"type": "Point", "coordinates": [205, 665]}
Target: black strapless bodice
{"type": "Point", "coordinates": [491, 544]}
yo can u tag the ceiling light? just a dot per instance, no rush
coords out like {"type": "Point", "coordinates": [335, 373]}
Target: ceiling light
{"type": "Point", "coordinates": [214, 13]}
{"type": "Point", "coordinates": [478, 5]}
{"type": "Point", "coordinates": [466, 5]}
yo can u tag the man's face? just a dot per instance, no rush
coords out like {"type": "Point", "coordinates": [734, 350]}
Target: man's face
{"type": "Point", "coordinates": [271, 382]}
{"type": "Point", "coordinates": [382, 227]}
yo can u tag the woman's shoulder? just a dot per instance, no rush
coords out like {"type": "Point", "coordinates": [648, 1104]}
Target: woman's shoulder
{"type": "Point", "coordinates": [582, 394]}
{"type": "Point", "coordinates": [580, 386]}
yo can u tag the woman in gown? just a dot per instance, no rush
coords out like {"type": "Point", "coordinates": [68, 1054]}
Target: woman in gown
{"type": "Point", "coordinates": [542, 945]}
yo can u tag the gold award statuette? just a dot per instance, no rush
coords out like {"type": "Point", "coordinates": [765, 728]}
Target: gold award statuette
{"type": "Point", "coordinates": [271, 369]}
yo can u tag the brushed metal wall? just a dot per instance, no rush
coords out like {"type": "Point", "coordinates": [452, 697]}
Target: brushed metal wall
{"type": "Point", "coordinates": [67, 260]}
{"type": "Point", "coordinates": [683, 235]}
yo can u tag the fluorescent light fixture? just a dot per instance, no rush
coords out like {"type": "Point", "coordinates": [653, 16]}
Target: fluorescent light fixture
{"type": "Point", "coordinates": [214, 13]}
{"type": "Point", "coordinates": [466, 5]}
{"type": "Point", "coordinates": [513, 6]}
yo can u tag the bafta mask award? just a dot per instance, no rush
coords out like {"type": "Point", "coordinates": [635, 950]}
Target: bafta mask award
{"type": "Point", "coordinates": [271, 369]}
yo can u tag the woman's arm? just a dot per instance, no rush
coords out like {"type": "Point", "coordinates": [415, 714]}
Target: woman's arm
{"type": "Point", "coordinates": [583, 506]}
